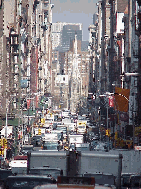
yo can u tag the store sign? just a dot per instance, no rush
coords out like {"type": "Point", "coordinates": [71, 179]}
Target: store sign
{"type": "Point", "coordinates": [137, 148]}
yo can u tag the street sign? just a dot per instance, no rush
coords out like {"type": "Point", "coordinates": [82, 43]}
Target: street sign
{"type": "Point", "coordinates": [10, 116]}
{"type": "Point", "coordinates": [136, 140]}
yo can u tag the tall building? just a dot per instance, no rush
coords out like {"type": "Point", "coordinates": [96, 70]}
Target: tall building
{"type": "Point", "coordinates": [76, 66]}
{"type": "Point", "coordinates": [25, 51]}
{"type": "Point", "coordinates": [9, 44]}
{"type": "Point", "coordinates": [95, 17]}
{"type": "Point", "coordinates": [59, 34]}
{"type": "Point", "coordinates": [68, 34]}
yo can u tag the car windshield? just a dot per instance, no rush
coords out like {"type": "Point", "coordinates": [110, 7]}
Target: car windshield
{"type": "Point", "coordinates": [82, 148]}
{"type": "Point", "coordinates": [61, 128]}
{"type": "Point", "coordinates": [36, 137]}
{"type": "Point", "coordinates": [50, 146]}
{"type": "Point", "coordinates": [27, 148]}
{"type": "Point", "coordinates": [82, 127]}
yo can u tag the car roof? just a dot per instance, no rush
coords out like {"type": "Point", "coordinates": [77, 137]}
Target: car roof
{"type": "Point", "coordinates": [54, 186]}
{"type": "Point", "coordinates": [36, 136]}
{"type": "Point", "coordinates": [46, 168]}
{"type": "Point", "coordinates": [27, 176]}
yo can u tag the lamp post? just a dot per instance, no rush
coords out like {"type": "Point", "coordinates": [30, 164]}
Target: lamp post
{"type": "Point", "coordinates": [107, 95]}
{"type": "Point", "coordinates": [99, 112]}
{"type": "Point", "coordinates": [6, 120]}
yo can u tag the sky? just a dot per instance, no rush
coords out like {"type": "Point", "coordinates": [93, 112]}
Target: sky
{"type": "Point", "coordinates": [75, 11]}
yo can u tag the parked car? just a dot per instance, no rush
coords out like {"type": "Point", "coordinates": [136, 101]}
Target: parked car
{"type": "Point", "coordinates": [36, 141]}
{"type": "Point", "coordinates": [101, 147]}
{"type": "Point", "coordinates": [102, 178]}
{"type": "Point", "coordinates": [50, 145]}
{"type": "Point", "coordinates": [26, 181]}
{"type": "Point", "coordinates": [26, 148]}
{"type": "Point", "coordinates": [49, 172]}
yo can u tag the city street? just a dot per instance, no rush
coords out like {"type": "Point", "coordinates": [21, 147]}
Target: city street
{"type": "Point", "coordinates": [70, 94]}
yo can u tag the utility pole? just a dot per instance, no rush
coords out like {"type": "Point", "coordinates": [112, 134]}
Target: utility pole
{"type": "Point", "coordinates": [6, 120]}
{"type": "Point", "coordinates": [100, 122]}
{"type": "Point", "coordinates": [107, 123]}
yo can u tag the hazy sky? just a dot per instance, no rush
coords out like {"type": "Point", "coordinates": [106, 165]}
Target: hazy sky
{"type": "Point", "coordinates": [75, 11]}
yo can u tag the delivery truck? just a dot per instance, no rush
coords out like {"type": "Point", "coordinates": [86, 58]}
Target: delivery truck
{"type": "Point", "coordinates": [73, 139]}
{"type": "Point", "coordinates": [81, 126]}
{"type": "Point", "coordinates": [83, 162]}
{"type": "Point", "coordinates": [52, 159]}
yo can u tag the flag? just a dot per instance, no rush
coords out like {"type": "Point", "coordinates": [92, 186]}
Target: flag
{"type": "Point", "coordinates": [28, 103]}
{"type": "Point", "coordinates": [121, 99]}
{"type": "Point", "coordinates": [111, 101]}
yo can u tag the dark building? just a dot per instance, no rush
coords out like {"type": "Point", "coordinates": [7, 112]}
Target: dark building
{"type": "Point", "coordinates": [68, 34]}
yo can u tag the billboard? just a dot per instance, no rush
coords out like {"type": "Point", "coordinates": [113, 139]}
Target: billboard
{"type": "Point", "coordinates": [120, 24]}
{"type": "Point", "coordinates": [121, 99]}
{"type": "Point", "coordinates": [62, 79]}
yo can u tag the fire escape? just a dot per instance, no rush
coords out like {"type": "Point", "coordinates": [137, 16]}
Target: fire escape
{"type": "Point", "coordinates": [14, 66]}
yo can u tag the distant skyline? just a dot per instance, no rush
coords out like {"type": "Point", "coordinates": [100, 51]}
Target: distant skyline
{"type": "Point", "coordinates": [75, 11]}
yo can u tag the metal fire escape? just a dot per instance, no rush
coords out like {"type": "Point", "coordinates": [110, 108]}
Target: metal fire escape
{"type": "Point", "coordinates": [14, 65]}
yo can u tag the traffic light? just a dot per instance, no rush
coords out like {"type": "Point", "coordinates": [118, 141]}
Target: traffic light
{"type": "Point", "coordinates": [116, 135]}
{"type": "Point", "coordinates": [39, 131]}
{"type": "Point", "coordinates": [1, 152]}
{"type": "Point", "coordinates": [1, 142]}
{"type": "Point", "coordinates": [107, 132]}
{"type": "Point", "coordinates": [43, 120]}
{"type": "Point", "coordinates": [5, 143]}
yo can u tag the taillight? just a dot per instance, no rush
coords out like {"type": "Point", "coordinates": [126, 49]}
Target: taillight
{"type": "Point", "coordinates": [58, 180]}
{"type": "Point", "coordinates": [92, 181]}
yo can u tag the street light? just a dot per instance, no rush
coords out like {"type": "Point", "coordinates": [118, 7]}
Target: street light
{"type": "Point", "coordinates": [130, 74]}
{"type": "Point", "coordinates": [107, 95]}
